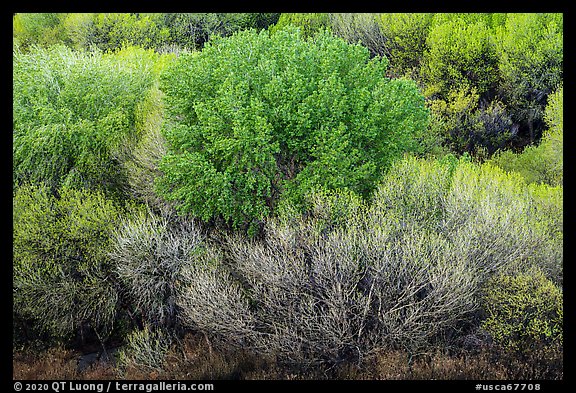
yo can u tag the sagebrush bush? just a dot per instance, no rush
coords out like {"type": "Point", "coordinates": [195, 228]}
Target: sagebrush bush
{"type": "Point", "coordinates": [62, 274]}
{"type": "Point", "coordinates": [211, 301]}
{"type": "Point", "coordinates": [145, 350]}
{"type": "Point", "coordinates": [361, 28]}
{"type": "Point", "coordinates": [346, 279]}
{"type": "Point", "coordinates": [149, 253]}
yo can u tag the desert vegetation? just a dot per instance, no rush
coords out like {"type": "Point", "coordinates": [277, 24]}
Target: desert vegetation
{"type": "Point", "coordinates": [288, 196]}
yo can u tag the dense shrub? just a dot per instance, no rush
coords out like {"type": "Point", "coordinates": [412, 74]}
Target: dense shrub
{"type": "Point", "coordinates": [148, 253]}
{"type": "Point", "coordinates": [309, 23]}
{"type": "Point", "coordinates": [541, 163]}
{"type": "Point", "coordinates": [347, 279]}
{"type": "Point", "coordinates": [110, 31]}
{"type": "Point", "coordinates": [459, 54]}
{"type": "Point", "coordinates": [193, 30]}
{"type": "Point", "coordinates": [404, 37]}
{"type": "Point", "coordinates": [525, 311]}
{"type": "Point", "coordinates": [143, 160]}
{"type": "Point", "coordinates": [359, 28]}
{"type": "Point", "coordinates": [29, 29]}
{"type": "Point", "coordinates": [530, 61]}
{"type": "Point", "coordinates": [74, 114]}
{"type": "Point", "coordinates": [114, 30]}
{"type": "Point", "coordinates": [145, 351]}
{"type": "Point", "coordinates": [291, 116]}
{"type": "Point", "coordinates": [462, 125]}
{"type": "Point", "coordinates": [62, 274]}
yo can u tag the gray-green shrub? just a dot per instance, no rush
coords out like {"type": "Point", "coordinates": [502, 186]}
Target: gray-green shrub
{"type": "Point", "coordinates": [408, 270]}
{"type": "Point", "coordinates": [148, 253]}
{"type": "Point", "coordinates": [146, 350]}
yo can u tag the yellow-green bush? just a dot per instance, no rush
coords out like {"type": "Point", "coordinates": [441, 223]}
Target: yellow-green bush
{"type": "Point", "coordinates": [62, 273]}
{"type": "Point", "coordinates": [524, 311]}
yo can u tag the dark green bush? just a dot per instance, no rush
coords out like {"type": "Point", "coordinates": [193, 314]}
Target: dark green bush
{"type": "Point", "coordinates": [193, 30]}
{"type": "Point", "coordinates": [462, 125]}
{"type": "Point", "coordinates": [254, 118]}
{"type": "Point", "coordinates": [541, 163]}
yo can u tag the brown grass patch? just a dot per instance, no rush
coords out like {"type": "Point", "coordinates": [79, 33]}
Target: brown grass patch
{"type": "Point", "coordinates": [195, 358]}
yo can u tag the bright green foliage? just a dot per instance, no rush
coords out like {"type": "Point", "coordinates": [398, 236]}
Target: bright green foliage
{"type": "Point", "coordinates": [542, 163]}
{"type": "Point", "coordinates": [459, 54]}
{"type": "Point", "coordinates": [405, 40]}
{"type": "Point", "coordinates": [114, 30]}
{"type": "Point", "coordinates": [530, 61]}
{"type": "Point", "coordinates": [37, 29]}
{"type": "Point", "coordinates": [309, 23]}
{"type": "Point", "coordinates": [253, 116]}
{"type": "Point", "coordinates": [74, 113]}
{"type": "Point", "coordinates": [525, 311]}
{"type": "Point", "coordinates": [61, 270]}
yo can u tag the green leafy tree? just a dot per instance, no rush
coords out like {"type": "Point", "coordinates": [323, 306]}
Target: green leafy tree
{"type": "Point", "coordinates": [530, 61]}
{"type": "Point", "coordinates": [75, 114]}
{"type": "Point", "coordinates": [256, 116]}
{"type": "Point", "coordinates": [405, 40]}
{"type": "Point", "coordinates": [459, 54]}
